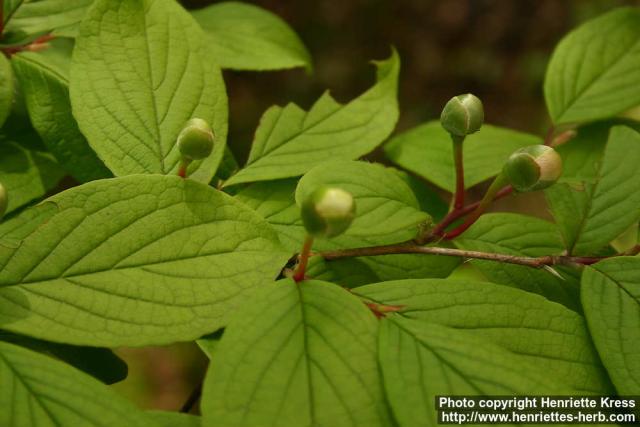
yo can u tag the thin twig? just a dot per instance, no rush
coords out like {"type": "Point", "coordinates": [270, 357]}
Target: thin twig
{"type": "Point", "coordinates": [192, 399]}
{"type": "Point", "coordinates": [407, 248]}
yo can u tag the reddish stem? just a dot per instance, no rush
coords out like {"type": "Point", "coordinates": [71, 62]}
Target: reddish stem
{"type": "Point", "coordinates": [37, 44]}
{"type": "Point", "coordinates": [303, 259]}
{"type": "Point", "coordinates": [182, 170]}
{"type": "Point", "coordinates": [457, 214]}
{"type": "Point", "coordinates": [488, 198]}
{"type": "Point", "coordinates": [459, 167]}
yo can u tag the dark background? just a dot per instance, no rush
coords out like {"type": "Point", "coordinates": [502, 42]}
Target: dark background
{"type": "Point", "coordinates": [497, 49]}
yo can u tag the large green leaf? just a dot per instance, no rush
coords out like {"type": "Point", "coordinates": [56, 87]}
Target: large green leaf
{"type": "Point", "coordinates": [593, 73]}
{"type": "Point", "coordinates": [515, 234]}
{"type": "Point", "coordinates": [138, 260]}
{"type": "Point", "coordinates": [35, 16]}
{"type": "Point", "coordinates": [275, 202]}
{"type": "Point", "coordinates": [422, 360]}
{"type": "Point", "coordinates": [611, 300]}
{"type": "Point", "coordinates": [26, 171]}
{"type": "Point", "coordinates": [36, 390]}
{"type": "Point", "coordinates": [290, 141]}
{"type": "Point", "coordinates": [100, 363]}
{"type": "Point", "coordinates": [46, 91]}
{"type": "Point", "coordinates": [591, 212]}
{"type": "Point", "coordinates": [141, 69]}
{"type": "Point", "coordinates": [6, 88]}
{"type": "Point", "coordinates": [297, 355]}
{"type": "Point", "coordinates": [539, 331]}
{"type": "Point", "coordinates": [246, 37]}
{"type": "Point", "coordinates": [427, 151]}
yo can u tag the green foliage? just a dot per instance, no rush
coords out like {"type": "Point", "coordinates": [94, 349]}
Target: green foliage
{"type": "Point", "coordinates": [37, 390]}
{"type": "Point", "coordinates": [364, 328]}
{"type": "Point", "coordinates": [38, 16]}
{"type": "Point", "coordinates": [118, 252]}
{"type": "Point", "coordinates": [132, 114]}
{"type": "Point", "coordinates": [245, 37]}
{"type": "Point", "coordinates": [313, 362]}
{"type": "Point", "coordinates": [593, 212]}
{"type": "Point", "coordinates": [290, 141]}
{"type": "Point", "coordinates": [27, 171]}
{"type": "Point", "coordinates": [515, 234]}
{"type": "Point", "coordinates": [611, 299]}
{"type": "Point", "coordinates": [45, 86]}
{"type": "Point", "coordinates": [532, 328]}
{"type": "Point", "coordinates": [420, 362]}
{"type": "Point", "coordinates": [426, 150]}
{"type": "Point", "coordinates": [592, 73]}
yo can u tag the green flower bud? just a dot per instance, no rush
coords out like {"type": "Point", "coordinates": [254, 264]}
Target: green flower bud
{"type": "Point", "coordinates": [195, 141]}
{"type": "Point", "coordinates": [462, 115]}
{"type": "Point", "coordinates": [4, 200]}
{"type": "Point", "coordinates": [328, 212]}
{"type": "Point", "coordinates": [533, 168]}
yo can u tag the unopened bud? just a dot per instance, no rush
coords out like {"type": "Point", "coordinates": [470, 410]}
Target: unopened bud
{"type": "Point", "coordinates": [195, 141]}
{"type": "Point", "coordinates": [462, 115]}
{"type": "Point", "coordinates": [533, 168]}
{"type": "Point", "coordinates": [328, 212]}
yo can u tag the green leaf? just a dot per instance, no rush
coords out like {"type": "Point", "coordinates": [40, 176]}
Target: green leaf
{"type": "Point", "coordinates": [592, 212]}
{"type": "Point", "coordinates": [141, 69]}
{"type": "Point", "coordinates": [420, 361]}
{"type": "Point", "coordinates": [38, 390]}
{"type": "Point", "coordinates": [27, 172]}
{"type": "Point", "coordinates": [275, 202]}
{"type": "Point", "coordinates": [35, 16]}
{"type": "Point", "coordinates": [290, 141]}
{"type": "Point", "coordinates": [297, 355]}
{"type": "Point", "coordinates": [427, 151]}
{"type": "Point", "coordinates": [46, 90]}
{"type": "Point", "coordinates": [137, 260]}
{"type": "Point", "coordinates": [384, 202]}
{"type": "Point", "coordinates": [611, 300]}
{"type": "Point", "coordinates": [6, 89]}
{"type": "Point", "coordinates": [246, 37]}
{"type": "Point", "coordinates": [593, 71]}
{"type": "Point", "coordinates": [428, 199]}
{"type": "Point", "coordinates": [521, 235]}
{"type": "Point", "coordinates": [100, 363]}
{"type": "Point", "coordinates": [349, 272]}
{"type": "Point", "coordinates": [173, 419]}
{"type": "Point", "coordinates": [582, 154]}
{"type": "Point", "coordinates": [540, 332]}
{"type": "Point", "coordinates": [17, 227]}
